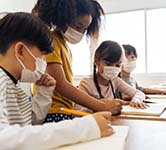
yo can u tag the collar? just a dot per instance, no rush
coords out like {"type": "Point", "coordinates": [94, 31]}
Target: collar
{"type": "Point", "coordinates": [10, 75]}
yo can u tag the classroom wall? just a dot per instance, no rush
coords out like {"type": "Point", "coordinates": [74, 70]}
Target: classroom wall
{"type": "Point", "coordinates": [16, 5]}
{"type": "Point", "coordinates": [113, 6]}
{"type": "Point", "coordinates": [110, 6]}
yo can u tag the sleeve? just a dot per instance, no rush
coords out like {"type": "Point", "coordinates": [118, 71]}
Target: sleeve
{"type": "Point", "coordinates": [55, 56]}
{"type": "Point", "coordinates": [84, 86]}
{"type": "Point", "coordinates": [139, 87]}
{"type": "Point", "coordinates": [50, 135]}
{"type": "Point", "coordinates": [3, 97]}
{"type": "Point", "coordinates": [133, 93]}
{"type": "Point", "coordinates": [41, 103]}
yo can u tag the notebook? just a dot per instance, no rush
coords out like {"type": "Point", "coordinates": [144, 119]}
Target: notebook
{"type": "Point", "coordinates": [115, 141]}
{"type": "Point", "coordinates": [152, 110]}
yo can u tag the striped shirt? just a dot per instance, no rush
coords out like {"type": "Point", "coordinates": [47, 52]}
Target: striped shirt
{"type": "Point", "coordinates": [14, 105]}
{"type": "Point", "coordinates": [16, 112]}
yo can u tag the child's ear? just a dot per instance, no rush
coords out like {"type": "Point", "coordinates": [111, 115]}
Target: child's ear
{"type": "Point", "coordinates": [19, 50]}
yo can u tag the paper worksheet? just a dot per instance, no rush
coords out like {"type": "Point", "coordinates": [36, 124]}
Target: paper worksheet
{"type": "Point", "coordinates": [152, 110]}
{"type": "Point", "coordinates": [115, 141]}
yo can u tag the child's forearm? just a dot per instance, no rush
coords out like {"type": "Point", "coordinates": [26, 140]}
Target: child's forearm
{"type": "Point", "coordinates": [74, 94]}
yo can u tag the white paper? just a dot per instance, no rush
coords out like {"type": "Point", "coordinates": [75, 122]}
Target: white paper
{"type": "Point", "coordinates": [152, 110]}
{"type": "Point", "coordinates": [115, 141]}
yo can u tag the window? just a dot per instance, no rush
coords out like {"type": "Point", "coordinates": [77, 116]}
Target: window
{"type": "Point", "coordinates": [81, 58]}
{"type": "Point", "coordinates": [144, 29]}
{"type": "Point", "coordinates": [127, 28]}
{"type": "Point", "coordinates": [156, 39]}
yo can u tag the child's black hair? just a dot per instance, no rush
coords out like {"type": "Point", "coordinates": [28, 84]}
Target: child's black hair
{"type": "Point", "coordinates": [130, 50]}
{"type": "Point", "coordinates": [108, 51]}
{"type": "Point", "coordinates": [24, 27]}
{"type": "Point", "coordinates": [61, 13]}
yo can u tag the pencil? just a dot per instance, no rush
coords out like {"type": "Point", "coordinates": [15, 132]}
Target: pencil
{"type": "Point", "coordinates": [75, 112]}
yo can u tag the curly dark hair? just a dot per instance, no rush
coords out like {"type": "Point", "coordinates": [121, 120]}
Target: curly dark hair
{"type": "Point", "coordinates": [61, 13]}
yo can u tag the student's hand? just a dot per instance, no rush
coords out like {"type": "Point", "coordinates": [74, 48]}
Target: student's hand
{"type": "Point", "coordinates": [103, 120]}
{"type": "Point", "coordinates": [122, 102]}
{"type": "Point", "coordinates": [114, 105]}
{"type": "Point", "coordinates": [46, 80]}
{"type": "Point", "coordinates": [138, 104]}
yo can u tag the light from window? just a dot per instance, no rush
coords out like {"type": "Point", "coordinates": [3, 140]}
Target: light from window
{"type": "Point", "coordinates": [127, 28]}
{"type": "Point", "coordinates": [156, 39]}
{"type": "Point", "coordinates": [81, 57]}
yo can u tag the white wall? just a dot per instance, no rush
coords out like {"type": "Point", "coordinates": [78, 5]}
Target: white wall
{"type": "Point", "coordinates": [112, 6]}
{"type": "Point", "coordinates": [16, 5]}
{"type": "Point", "coordinates": [109, 5]}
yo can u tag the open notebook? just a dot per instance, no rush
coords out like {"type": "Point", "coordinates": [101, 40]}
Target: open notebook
{"type": "Point", "coordinates": [115, 141]}
{"type": "Point", "coordinates": [152, 110]}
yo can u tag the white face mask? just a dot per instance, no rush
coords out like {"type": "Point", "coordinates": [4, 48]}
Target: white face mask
{"type": "Point", "coordinates": [73, 36]}
{"type": "Point", "coordinates": [32, 76]}
{"type": "Point", "coordinates": [129, 66]}
{"type": "Point", "coordinates": [110, 72]}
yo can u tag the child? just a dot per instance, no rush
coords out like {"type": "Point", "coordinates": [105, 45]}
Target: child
{"type": "Point", "coordinates": [24, 40]}
{"type": "Point", "coordinates": [129, 66]}
{"type": "Point", "coordinates": [104, 83]}
{"type": "Point", "coordinates": [77, 18]}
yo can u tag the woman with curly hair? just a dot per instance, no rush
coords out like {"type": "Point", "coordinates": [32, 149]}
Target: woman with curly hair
{"type": "Point", "coordinates": [69, 20]}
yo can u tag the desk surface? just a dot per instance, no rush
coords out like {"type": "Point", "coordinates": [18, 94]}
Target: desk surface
{"type": "Point", "coordinates": [156, 96]}
{"type": "Point", "coordinates": [144, 134]}
{"type": "Point", "coordinates": [116, 141]}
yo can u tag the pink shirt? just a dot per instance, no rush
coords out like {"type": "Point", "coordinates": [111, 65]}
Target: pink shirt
{"type": "Point", "coordinates": [87, 85]}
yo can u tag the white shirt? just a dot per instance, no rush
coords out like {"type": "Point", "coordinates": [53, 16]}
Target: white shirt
{"type": "Point", "coordinates": [17, 114]}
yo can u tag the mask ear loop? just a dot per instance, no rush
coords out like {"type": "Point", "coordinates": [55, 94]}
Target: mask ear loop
{"type": "Point", "coordinates": [20, 62]}
{"type": "Point", "coordinates": [30, 52]}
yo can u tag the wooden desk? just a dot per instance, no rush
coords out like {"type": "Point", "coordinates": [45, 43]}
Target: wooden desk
{"type": "Point", "coordinates": [114, 142]}
{"type": "Point", "coordinates": [155, 118]}
{"type": "Point", "coordinates": [144, 134]}
{"type": "Point", "coordinates": [156, 96]}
